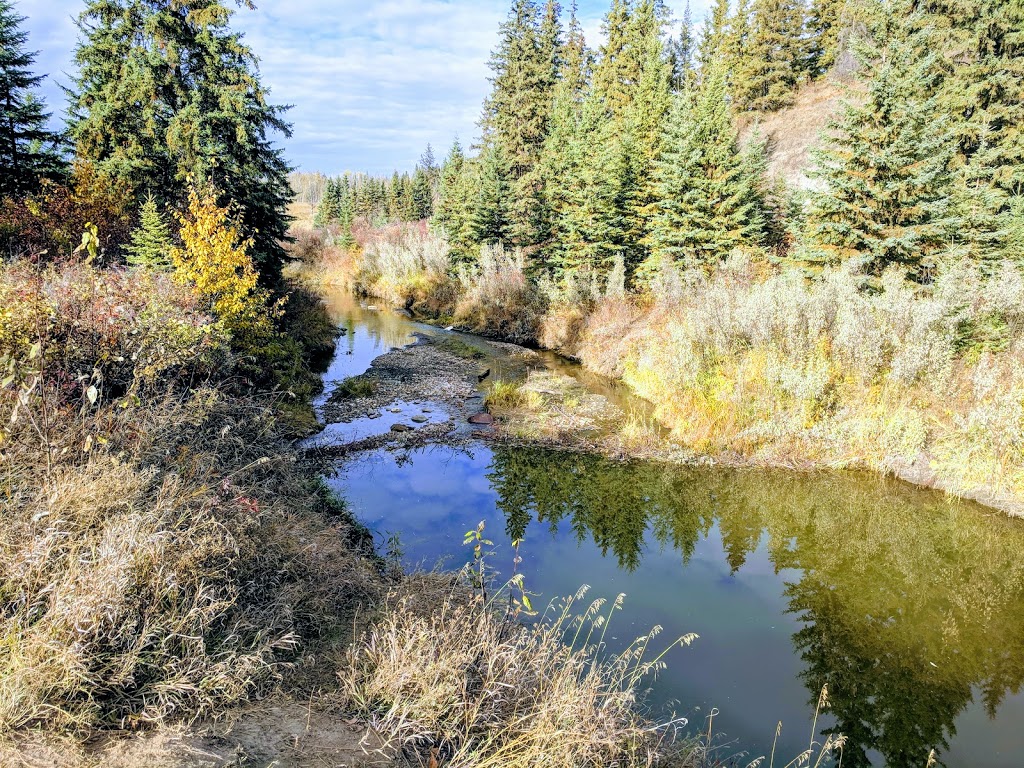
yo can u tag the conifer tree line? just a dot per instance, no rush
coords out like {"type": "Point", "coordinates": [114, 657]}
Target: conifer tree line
{"type": "Point", "coordinates": [166, 97]}
{"type": "Point", "coordinates": [379, 200]}
{"type": "Point", "coordinates": [631, 153]}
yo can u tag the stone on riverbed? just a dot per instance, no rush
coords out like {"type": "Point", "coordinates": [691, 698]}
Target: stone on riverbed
{"type": "Point", "coordinates": [481, 418]}
{"type": "Point", "coordinates": [401, 428]}
{"type": "Point", "coordinates": [419, 419]}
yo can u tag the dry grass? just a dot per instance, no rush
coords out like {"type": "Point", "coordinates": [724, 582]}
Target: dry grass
{"type": "Point", "coordinates": [463, 685]}
{"type": "Point", "coordinates": [172, 573]}
{"type": "Point", "coordinates": [163, 555]}
{"type": "Point", "coordinates": [777, 369]}
{"type": "Point", "coordinates": [792, 133]}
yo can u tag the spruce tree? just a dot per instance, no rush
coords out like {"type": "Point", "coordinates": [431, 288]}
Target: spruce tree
{"type": "Point", "coordinates": [983, 88]}
{"type": "Point", "coordinates": [489, 213]}
{"type": "Point", "coordinates": [616, 69]}
{"type": "Point", "coordinates": [565, 147]}
{"type": "Point", "coordinates": [28, 150]}
{"type": "Point", "coordinates": [644, 125]}
{"type": "Point", "coordinates": [824, 26]}
{"type": "Point", "coordinates": [422, 195]}
{"type": "Point", "coordinates": [517, 112]}
{"type": "Point", "coordinates": [166, 95]}
{"type": "Point", "coordinates": [772, 57]}
{"type": "Point", "coordinates": [151, 244]}
{"type": "Point", "coordinates": [710, 194]}
{"type": "Point", "coordinates": [453, 205]}
{"type": "Point", "coordinates": [885, 165]}
{"type": "Point", "coordinates": [682, 50]}
{"type": "Point", "coordinates": [597, 196]}
{"type": "Point", "coordinates": [327, 212]}
{"type": "Point", "coordinates": [713, 36]}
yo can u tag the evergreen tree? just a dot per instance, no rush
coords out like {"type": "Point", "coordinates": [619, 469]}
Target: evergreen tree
{"type": "Point", "coordinates": [710, 195]}
{"type": "Point", "coordinates": [28, 151]}
{"type": "Point", "coordinates": [616, 69]}
{"type": "Point", "coordinates": [433, 172]}
{"type": "Point", "coordinates": [327, 212]}
{"type": "Point", "coordinates": [489, 210]}
{"type": "Point", "coordinates": [151, 245]}
{"type": "Point", "coordinates": [824, 25]}
{"type": "Point", "coordinates": [565, 147]}
{"type": "Point", "coordinates": [517, 112]}
{"type": "Point", "coordinates": [167, 93]}
{"type": "Point", "coordinates": [713, 35]}
{"type": "Point", "coordinates": [773, 56]}
{"type": "Point", "coordinates": [682, 55]}
{"type": "Point", "coordinates": [644, 126]}
{"type": "Point", "coordinates": [454, 204]}
{"type": "Point", "coordinates": [597, 194]}
{"type": "Point", "coordinates": [886, 164]}
{"type": "Point", "coordinates": [984, 87]}
{"type": "Point", "coordinates": [422, 195]}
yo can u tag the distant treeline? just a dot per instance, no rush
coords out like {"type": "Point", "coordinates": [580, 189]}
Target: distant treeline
{"type": "Point", "coordinates": [631, 152]}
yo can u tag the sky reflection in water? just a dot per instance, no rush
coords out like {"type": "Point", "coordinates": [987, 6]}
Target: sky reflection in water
{"type": "Point", "coordinates": [911, 608]}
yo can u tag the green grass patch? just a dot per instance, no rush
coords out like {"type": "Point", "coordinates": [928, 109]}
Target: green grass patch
{"type": "Point", "coordinates": [355, 386]}
{"type": "Point", "coordinates": [460, 348]}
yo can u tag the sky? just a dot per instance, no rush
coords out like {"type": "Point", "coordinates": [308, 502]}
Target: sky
{"type": "Point", "coordinates": [371, 82]}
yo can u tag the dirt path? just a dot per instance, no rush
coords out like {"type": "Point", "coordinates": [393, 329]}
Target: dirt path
{"type": "Point", "coordinates": [278, 733]}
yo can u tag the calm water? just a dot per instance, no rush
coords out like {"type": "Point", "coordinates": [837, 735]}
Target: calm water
{"type": "Point", "coordinates": [910, 608]}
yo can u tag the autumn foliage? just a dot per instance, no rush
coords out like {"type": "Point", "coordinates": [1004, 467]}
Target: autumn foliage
{"type": "Point", "coordinates": [214, 260]}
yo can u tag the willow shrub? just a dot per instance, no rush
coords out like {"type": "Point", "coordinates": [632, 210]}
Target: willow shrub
{"type": "Point", "coordinates": [771, 366]}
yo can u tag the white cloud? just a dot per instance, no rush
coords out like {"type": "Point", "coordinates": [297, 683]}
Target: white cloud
{"type": "Point", "coordinates": [371, 82]}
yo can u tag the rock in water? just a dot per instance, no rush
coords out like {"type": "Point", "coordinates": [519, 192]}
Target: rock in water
{"type": "Point", "coordinates": [420, 419]}
{"type": "Point", "coordinates": [401, 428]}
{"type": "Point", "coordinates": [481, 418]}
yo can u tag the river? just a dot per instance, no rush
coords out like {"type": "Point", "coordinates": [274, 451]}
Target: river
{"type": "Point", "coordinates": [908, 606]}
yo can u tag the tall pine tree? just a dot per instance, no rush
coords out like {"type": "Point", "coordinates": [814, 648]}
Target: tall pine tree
{"type": "Point", "coordinates": [166, 95]}
{"type": "Point", "coordinates": [28, 150]}
{"type": "Point", "coordinates": [886, 164]}
{"type": "Point", "coordinates": [517, 112]}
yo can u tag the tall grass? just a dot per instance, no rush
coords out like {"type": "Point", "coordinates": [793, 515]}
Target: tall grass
{"type": "Point", "coordinates": [838, 370]}
{"type": "Point", "coordinates": [464, 685]}
{"type": "Point", "coordinates": [162, 554]}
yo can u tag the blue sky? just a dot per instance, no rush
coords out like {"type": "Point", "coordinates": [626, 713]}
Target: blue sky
{"type": "Point", "coordinates": [372, 82]}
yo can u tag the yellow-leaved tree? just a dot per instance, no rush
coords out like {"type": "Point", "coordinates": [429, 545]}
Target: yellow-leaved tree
{"type": "Point", "coordinates": [214, 259]}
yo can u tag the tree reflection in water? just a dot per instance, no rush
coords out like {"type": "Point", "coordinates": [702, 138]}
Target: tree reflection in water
{"type": "Point", "coordinates": [907, 603]}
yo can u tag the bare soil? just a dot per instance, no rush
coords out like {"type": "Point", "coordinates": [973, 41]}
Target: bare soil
{"type": "Point", "coordinates": [280, 733]}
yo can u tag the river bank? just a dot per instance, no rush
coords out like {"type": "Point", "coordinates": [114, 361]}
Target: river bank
{"type": "Point", "coordinates": [181, 588]}
{"type": "Point", "coordinates": [792, 580]}
{"type": "Point", "coordinates": [753, 365]}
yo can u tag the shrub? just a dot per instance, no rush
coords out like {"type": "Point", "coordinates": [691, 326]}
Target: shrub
{"type": "Point", "coordinates": [839, 369]}
{"type": "Point", "coordinates": [214, 260]}
{"type": "Point", "coordinates": [47, 226]}
{"type": "Point", "coordinates": [463, 686]}
{"type": "Point", "coordinates": [498, 299]}
{"type": "Point", "coordinates": [404, 263]}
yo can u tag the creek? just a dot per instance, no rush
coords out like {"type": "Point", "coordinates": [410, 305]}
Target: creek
{"type": "Point", "coordinates": [907, 605]}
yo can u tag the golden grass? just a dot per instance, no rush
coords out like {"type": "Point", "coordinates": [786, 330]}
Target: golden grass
{"type": "Point", "coordinates": [463, 684]}
{"type": "Point", "coordinates": [171, 573]}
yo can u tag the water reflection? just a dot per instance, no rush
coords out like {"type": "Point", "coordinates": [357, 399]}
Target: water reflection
{"type": "Point", "coordinates": [907, 605]}
{"type": "Point", "coordinates": [365, 334]}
